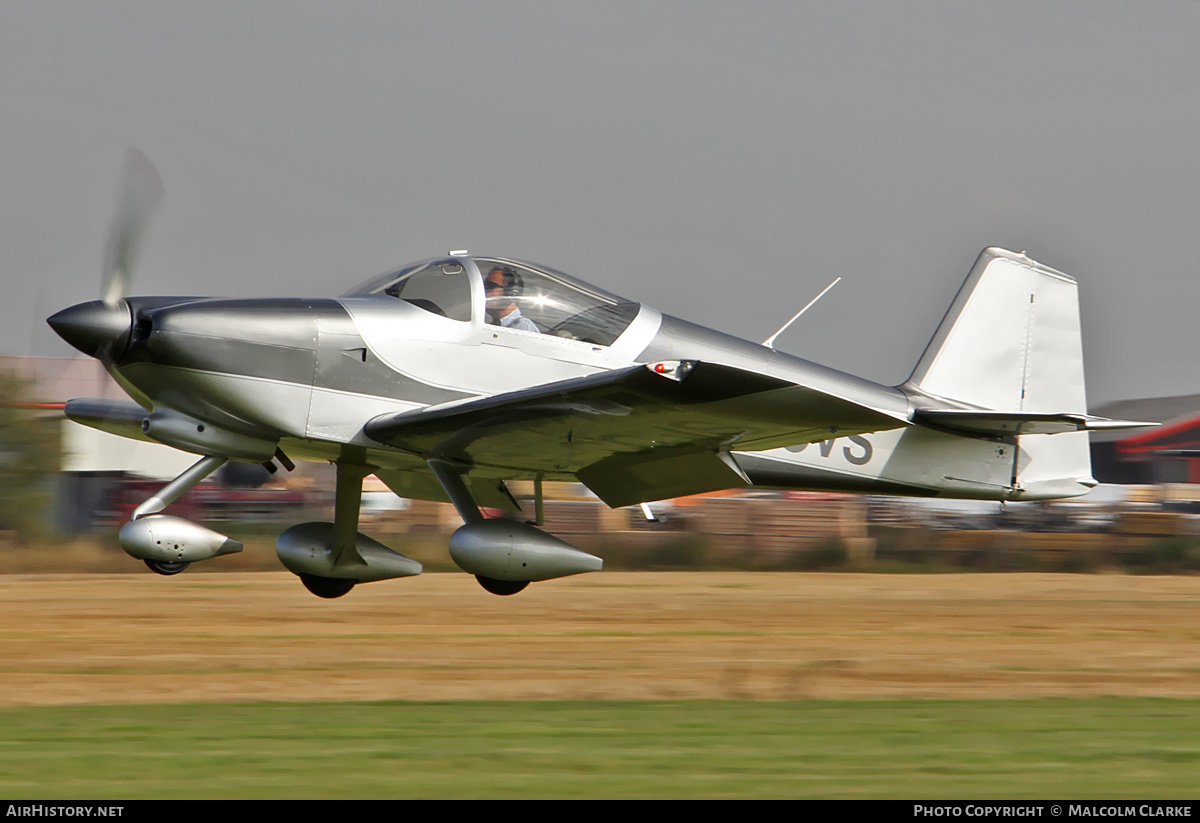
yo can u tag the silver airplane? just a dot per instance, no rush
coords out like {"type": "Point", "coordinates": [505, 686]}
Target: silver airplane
{"type": "Point", "coordinates": [453, 376]}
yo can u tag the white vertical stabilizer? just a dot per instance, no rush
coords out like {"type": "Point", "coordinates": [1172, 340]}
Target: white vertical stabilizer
{"type": "Point", "coordinates": [1011, 342]}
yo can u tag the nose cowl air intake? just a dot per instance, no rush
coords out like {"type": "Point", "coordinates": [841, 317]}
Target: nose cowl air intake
{"type": "Point", "coordinates": [96, 329]}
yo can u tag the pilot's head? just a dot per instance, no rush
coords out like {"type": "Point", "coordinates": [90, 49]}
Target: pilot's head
{"type": "Point", "coordinates": [503, 281]}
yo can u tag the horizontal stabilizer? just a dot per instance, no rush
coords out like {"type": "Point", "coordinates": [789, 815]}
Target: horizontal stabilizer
{"type": "Point", "coordinates": [985, 423]}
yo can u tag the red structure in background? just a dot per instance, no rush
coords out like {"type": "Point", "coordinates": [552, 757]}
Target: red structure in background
{"type": "Point", "coordinates": [1169, 453]}
{"type": "Point", "coordinates": [1179, 441]}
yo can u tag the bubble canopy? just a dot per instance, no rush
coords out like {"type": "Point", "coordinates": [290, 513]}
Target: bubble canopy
{"type": "Point", "coordinates": [523, 297]}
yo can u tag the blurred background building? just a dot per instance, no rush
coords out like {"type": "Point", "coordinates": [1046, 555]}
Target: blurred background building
{"type": "Point", "coordinates": [1168, 454]}
{"type": "Point", "coordinates": [103, 477]}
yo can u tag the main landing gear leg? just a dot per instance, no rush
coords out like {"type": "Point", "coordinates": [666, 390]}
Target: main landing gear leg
{"type": "Point", "coordinates": [346, 505]}
{"type": "Point", "coordinates": [451, 478]}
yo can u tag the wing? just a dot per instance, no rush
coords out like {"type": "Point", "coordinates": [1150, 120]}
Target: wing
{"type": "Point", "coordinates": [633, 434]}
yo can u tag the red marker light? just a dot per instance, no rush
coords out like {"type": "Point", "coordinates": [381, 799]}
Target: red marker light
{"type": "Point", "coordinates": [660, 368]}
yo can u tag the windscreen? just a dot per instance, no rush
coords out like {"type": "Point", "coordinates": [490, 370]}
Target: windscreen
{"type": "Point", "coordinates": [535, 299]}
{"type": "Point", "coordinates": [440, 287]}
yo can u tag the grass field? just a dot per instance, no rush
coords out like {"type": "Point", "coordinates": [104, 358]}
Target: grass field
{"type": "Point", "coordinates": [1094, 748]}
{"type": "Point", "coordinates": [608, 685]}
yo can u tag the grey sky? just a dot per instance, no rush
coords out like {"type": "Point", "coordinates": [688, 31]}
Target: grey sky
{"type": "Point", "coordinates": [720, 161]}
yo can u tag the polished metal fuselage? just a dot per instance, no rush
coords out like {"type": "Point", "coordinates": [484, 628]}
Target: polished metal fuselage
{"type": "Point", "coordinates": [313, 373]}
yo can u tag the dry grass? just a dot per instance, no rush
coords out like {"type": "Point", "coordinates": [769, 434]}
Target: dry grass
{"type": "Point", "coordinates": [98, 639]}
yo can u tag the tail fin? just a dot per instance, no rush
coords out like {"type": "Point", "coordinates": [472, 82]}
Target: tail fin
{"type": "Point", "coordinates": [1011, 343]}
{"type": "Point", "coordinates": [1010, 340]}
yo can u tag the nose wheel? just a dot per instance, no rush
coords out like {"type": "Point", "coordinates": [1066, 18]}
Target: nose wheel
{"type": "Point", "coordinates": [167, 567]}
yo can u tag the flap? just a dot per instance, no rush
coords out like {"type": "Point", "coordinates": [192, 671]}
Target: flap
{"type": "Point", "coordinates": [627, 479]}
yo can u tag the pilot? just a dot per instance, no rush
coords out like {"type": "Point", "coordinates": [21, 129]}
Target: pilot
{"type": "Point", "coordinates": [504, 287]}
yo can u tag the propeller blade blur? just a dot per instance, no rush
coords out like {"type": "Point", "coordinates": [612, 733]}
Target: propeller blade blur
{"type": "Point", "coordinates": [141, 191]}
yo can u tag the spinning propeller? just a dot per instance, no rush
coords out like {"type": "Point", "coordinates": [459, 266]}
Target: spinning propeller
{"type": "Point", "coordinates": [141, 191]}
{"type": "Point", "coordinates": [101, 328]}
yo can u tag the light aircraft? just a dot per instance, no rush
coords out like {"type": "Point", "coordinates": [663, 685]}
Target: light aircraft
{"type": "Point", "coordinates": [452, 376]}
